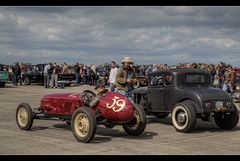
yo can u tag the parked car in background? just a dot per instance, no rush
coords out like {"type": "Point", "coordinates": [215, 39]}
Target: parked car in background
{"type": "Point", "coordinates": [102, 75]}
{"type": "Point", "coordinates": [34, 74]}
{"type": "Point", "coordinates": [68, 78]}
{"type": "Point", "coordinates": [186, 94]}
{"type": "Point", "coordinates": [4, 77]}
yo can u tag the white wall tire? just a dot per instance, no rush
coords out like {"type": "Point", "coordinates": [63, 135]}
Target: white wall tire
{"type": "Point", "coordinates": [184, 116]}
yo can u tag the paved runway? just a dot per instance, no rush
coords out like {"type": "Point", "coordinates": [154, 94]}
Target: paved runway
{"type": "Point", "coordinates": [55, 137]}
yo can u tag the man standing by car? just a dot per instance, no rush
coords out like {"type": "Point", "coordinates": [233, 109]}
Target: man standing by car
{"type": "Point", "coordinates": [228, 79]}
{"type": "Point", "coordinates": [16, 74]}
{"type": "Point", "coordinates": [77, 71]}
{"type": "Point", "coordinates": [125, 78]}
{"type": "Point", "coordinates": [47, 75]}
{"type": "Point", "coordinates": [65, 68]}
{"type": "Point", "coordinates": [220, 74]}
{"type": "Point", "coordinates": [54, 76]}
{"type": "Point", "coordinates": [112, 76]}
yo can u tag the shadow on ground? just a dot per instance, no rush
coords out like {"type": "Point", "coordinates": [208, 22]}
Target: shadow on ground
{"type": "Point", "coordinates": [200, 127]}
{"type": "Point", "coordinates": [105, 133]}
{"type": "Point", "coordinates": [121, 133]}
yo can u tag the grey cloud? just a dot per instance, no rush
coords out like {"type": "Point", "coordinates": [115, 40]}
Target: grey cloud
{"type": "Point", "coordinates": [101, 34]}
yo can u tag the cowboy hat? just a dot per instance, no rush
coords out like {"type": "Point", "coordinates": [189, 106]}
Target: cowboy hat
{"type": "Point", "coordinates": [127, 59]}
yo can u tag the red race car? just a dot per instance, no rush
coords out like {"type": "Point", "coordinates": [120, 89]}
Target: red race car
{"type": "Point", "coordinates": [84, 111]}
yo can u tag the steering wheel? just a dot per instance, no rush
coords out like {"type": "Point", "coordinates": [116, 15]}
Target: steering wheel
{"type": "Point", "coordinates": [88, 96]}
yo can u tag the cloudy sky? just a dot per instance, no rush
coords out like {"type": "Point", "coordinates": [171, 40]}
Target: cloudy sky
{"type": "Point", "coordinates": [102, 34]}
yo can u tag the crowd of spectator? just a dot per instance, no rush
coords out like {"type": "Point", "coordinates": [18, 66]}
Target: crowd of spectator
{"type": "Point", "coordinates": [222, 75]}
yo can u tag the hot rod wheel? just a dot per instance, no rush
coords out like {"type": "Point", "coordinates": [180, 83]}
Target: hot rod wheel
{"type": "Point", "coordinates": [27, 81]}
{"type": "Point", "coordinates": [136, 84]}
{"type": "Point", "coordinates": [184, 116]}
{"type": "Point", "coordinates": [138, 124]}
{"type": "Point", "coordinates": [83, 125]}
{"type": "Point", "coordinates": [227, 120]}
{"type": "Point", "coordinates": [24, 116]}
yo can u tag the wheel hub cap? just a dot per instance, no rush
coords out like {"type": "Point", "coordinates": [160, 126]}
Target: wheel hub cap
{"type": "Point", "coordinates": [82, 124]}
{"type": "Point", "coordinates": [181, 117]}
{"type": "Point", "coordinates": [22, 116]}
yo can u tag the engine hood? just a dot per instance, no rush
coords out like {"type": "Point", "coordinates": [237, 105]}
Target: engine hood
{"type": "Point", "coordinates": [211, 93]}
{"type": "Point", "coordinates": [62, 96]}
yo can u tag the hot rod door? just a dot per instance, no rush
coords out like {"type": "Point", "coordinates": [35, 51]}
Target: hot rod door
{"type": "Point", "coordinates": [155, 99]}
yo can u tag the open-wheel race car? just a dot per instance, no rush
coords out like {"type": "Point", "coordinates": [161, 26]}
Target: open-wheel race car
{"type": "Point", "coordinates": [84, 111]}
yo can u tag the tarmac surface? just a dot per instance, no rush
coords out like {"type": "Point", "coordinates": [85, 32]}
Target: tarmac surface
{"type": "Point", "coordinates": [55, 137]}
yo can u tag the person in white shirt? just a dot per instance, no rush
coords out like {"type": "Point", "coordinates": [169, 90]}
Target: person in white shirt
{"type": "Point", "coordinates": [112, 76]}
{"type": "Point", "coordinates": [47, 75]}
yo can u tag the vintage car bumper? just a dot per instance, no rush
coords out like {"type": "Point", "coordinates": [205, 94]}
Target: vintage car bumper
{"type": "Point", "coordinates": [219, 106]}
{"type": "Point", "coordinates": [66, 82]}
{"type": "Point", "coordinates": [219, 109]}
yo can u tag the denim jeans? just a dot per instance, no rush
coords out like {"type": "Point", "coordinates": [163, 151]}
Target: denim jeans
{"type": "Point", "coordinates": [112, 87]}
{"type": "Point", "coordinates": [226, 86]}
{"type": "Point", "coordinates": [128, 94]}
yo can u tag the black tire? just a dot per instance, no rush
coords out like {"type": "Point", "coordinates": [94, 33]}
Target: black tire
{"type": "Point", "coordinates": [2, 84]}
{"type": "Point", "coordinates": [87, 120]}
{"type": "Point", "coordinates": [136, 84]}
{"type": "Point", "coordinates": [184, 116]}
{"type": "Point", "coordinates": [138, 124]}
{"type": "Point", "coordinates": [27, 81]}
{"type": "Point", "coordinates": [226, 121]}
{"type": "Point", "coordinates": [161, 115]}
{"type": "Point", "coordinates": [24, 116]}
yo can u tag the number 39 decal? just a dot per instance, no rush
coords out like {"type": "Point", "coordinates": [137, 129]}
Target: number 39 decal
{"type": "Point", "coordinates": [120, 103]}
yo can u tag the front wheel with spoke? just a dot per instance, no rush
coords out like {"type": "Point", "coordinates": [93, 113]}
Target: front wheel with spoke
{"type": "Point", "coordinates": [83, 125]}
{"type": "Point", "coordinates": [24, 116]}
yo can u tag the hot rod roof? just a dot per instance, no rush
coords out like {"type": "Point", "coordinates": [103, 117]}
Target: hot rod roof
{"type": "Point", "coordinates": [179, 71]}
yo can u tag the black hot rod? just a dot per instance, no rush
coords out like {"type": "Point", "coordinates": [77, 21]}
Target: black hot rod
{"type": "Point", "coordinates": [186, 94]}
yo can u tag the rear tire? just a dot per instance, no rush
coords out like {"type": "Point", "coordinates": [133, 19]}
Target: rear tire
{"type": "Point", "coordinates": [226, 121]}
{"type": "Point", "coordinates": [83, 125]}
{"type": "Point", "coordinates": [24, 116]}
{"type": "Point", "coordinates": [184, 116]}
{"type": "Point", "coordinates": [138, 124]}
